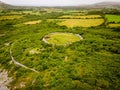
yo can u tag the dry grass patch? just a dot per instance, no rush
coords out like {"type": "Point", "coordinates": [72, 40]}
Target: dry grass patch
{"type": "Point", "coordinates": [114, 25]}
{"type": "Point", "coordinates": [81, 22]}
{"type": "Point", "coordinates": [80, 17]}
{"type": "Point", "coordinates": [11, 17]}
{"type": "Point", "coordinates": [32, 22]}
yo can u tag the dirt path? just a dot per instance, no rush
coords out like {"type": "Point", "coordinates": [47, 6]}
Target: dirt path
{"type": "Point", "coordinates": [19, 64]}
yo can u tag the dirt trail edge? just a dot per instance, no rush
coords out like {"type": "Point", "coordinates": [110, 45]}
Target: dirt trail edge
{"type": "Point", "coordinates": [19, 64]}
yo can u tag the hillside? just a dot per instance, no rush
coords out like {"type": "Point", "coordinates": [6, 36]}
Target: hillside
{"type": "Point", "coordinates": [99, 5]}
{"type": "Point", "coordinates": [4, 5]}
{"type": "Point", "coordinates": [106, 4]}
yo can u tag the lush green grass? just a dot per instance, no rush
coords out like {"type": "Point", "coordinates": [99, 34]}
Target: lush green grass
{"type": "Point", "coordinates": [61, 38]}
{"type": "Point", "coordinates": [112, 18]}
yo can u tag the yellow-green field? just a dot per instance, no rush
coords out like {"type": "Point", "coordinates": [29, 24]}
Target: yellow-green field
{"type": "Point", "coordinates": [31, 12]}
{"type": "Point", "coordinates": [10, 17]}
{"type": "Point", "coordinates": [61, 38]}
{"type": "Point", "coordinates": [114, 25]}
{"type": "Point", "coordinates": [81, 22]}
{"type": "Point", "coordinates": [32, 22]}
{"type": "Point", "coordinates": [15, 12]}
{"type": "Point", "coordinates": [80, 17]}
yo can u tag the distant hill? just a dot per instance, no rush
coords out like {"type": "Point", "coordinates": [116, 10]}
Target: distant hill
{"type": "Point", "coordinates": [4, 5]}
{"type": "Point", "coordinates": [104, 5]}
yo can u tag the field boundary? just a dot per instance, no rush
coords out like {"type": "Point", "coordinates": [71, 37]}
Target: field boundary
{"type": "Point", "coordinates": [21, 65]}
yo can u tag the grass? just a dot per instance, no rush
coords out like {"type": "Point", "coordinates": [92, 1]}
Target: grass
{"type": "Point", "coordinates": [81, 23]}
{"type": "Point", "coordinates": [61, 38]}
{"type": "Point", "coordinates": [55, 20]}
{"type": "Point", "coordinates": [112, 18]}
{"type": "Point", "coordinates": [81, 17]}
{"type": "Point", "coordinates": [10, 17]}
{"type": "Point", "coordinates": [32, 22]}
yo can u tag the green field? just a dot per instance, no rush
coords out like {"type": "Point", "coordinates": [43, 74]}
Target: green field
{"type": "Point", "coordinates": [77, 54]}
{"type": "Point", "coordinates": [61, 38]}
{"type": "Point", "coordinates": [112, 18]}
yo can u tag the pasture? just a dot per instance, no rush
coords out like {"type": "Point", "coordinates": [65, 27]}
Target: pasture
{"type": "Point", "coordinates": [61, 38]}
{"type": "Point", "coordinates": [112, 18]}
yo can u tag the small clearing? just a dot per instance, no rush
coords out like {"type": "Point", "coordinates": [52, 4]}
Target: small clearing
{"type": "Point", "coordinates": [34, 51]}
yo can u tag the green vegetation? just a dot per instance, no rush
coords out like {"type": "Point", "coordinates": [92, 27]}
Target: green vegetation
{"type": "Point", "coordinates": [113, 20]}
{"type": "Point", "coordinates": [89, 64]}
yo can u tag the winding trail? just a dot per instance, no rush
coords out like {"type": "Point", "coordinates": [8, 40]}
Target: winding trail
{"type": "Point", "coordinates": [19, 64]}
